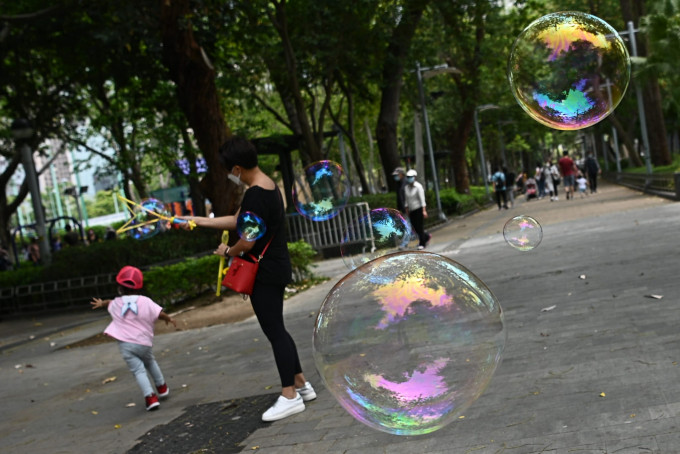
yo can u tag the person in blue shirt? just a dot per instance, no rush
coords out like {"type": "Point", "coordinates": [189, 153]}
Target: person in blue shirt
{"type": "Point", "coordinates": [498, 179]}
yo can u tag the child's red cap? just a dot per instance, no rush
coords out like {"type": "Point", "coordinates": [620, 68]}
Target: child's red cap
{"type": "Point", "coordinates": [130, 277]}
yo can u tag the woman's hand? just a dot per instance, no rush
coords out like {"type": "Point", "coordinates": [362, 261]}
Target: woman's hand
{"type": "Point", "coordinates": [221, 250]}
{"type": "Point", "coordinates": [186, 225]}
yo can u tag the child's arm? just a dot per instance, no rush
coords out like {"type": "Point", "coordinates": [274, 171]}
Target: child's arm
{"type": "Point", "coordinates": [167, 319]}
{"type": "Point", "coordinates": [96, 303]}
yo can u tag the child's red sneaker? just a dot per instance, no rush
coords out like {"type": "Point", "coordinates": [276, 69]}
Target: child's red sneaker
{"type": "Point", "coordinates": [163, 390]}
{"type": "Point", "coordinates": [152, 402]}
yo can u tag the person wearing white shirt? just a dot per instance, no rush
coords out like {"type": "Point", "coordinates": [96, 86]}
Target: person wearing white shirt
{"type": "Point", "coordinates": [414, 199]}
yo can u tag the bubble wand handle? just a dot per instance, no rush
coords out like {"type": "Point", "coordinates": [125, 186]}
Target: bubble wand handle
{"type": "Point", "coordinates": [222, 271]}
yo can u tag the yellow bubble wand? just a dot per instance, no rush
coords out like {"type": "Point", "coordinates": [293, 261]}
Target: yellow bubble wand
{"type": "Point", "coordinates": [222, 271]}
{"type": "Point", "coordinates": [131, 224]}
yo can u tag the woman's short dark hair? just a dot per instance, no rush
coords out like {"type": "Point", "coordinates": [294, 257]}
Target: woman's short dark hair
{"type": "Point", "coordinates": [238, 151]}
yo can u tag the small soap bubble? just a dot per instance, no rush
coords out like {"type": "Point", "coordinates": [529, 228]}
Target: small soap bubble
{"type": "Point", "coordinates": [406, 342]}
{"type": "Point", "coordinates": [523, 233]}
{"type": "Point", "coordinates": [145, 223]}
{"type": "Point", "coordinates": [250, 227]}
{"type": "Point", "coordinates": [322, 191]}
{"type": "Point", "coordinates": [381, 232]}
{"type": "Point", "coordinates": [568, 70]}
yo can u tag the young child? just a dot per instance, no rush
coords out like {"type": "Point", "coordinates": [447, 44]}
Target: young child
{"type": "Point", "coordinates": [132, 326]}
{"type": "Point", "coordinates": [582, 185]}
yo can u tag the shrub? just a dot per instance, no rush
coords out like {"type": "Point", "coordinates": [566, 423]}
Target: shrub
{"type": "Point", "coordinates": [301, 256]}
{"type": "Point", "coordinates": [177, 282]}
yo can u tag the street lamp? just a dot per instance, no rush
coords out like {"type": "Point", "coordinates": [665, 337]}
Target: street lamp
{"type": "Point", "coordinates": [478, 109]}
{"type": "Point", "coordinates": [631, 30]}
{"type": "Point", "coordinates": [22, 131]}
{"type": "Point", "coordinates": [427, 73]}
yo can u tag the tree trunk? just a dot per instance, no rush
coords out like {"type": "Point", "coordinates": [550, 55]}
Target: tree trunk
{"type": "Point", "coordinates": [194, 75]}
{"type": "Point", "coordinates": [625, 137]}
{"type": "Point", "coordinates": [393, 68]}
{"type": "Point", "coordinates": [280, 23]}
{"type": "Point", "coordinates": [651, 93]}
{"type": "Point", "coordinates": [458, 137]}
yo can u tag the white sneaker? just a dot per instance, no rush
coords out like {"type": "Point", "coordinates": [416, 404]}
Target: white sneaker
{"type": "Point", "coordinates": [307, 392]}
{"type": "Point", "coordinates": [283, 408]}
{"type": "Point", "coordinates": [557, 198]}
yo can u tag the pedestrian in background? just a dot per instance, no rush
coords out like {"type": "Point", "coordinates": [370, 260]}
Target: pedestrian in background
{"type": "Point", "coordinates": [498, 179]}
{"type": "Point", "coordinates": [414, 199]}
{"type": "Point", "coordinates": [399, 175]}
{"type": "Point", "coordinates": [592, 168]}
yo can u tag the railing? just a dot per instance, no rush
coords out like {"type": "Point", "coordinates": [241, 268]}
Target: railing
{"type": "Point", "coordinates": [661, 184]}
{"type": "Point", "coordinates": [346, 227]}
{"type": "Point", "coordinates": [55, 296]}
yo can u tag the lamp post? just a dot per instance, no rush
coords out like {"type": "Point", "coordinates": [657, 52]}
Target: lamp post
{"type": "Point", "coordinates": [22, 131]}
{"type": "Point", "coordinates": [638, 94]}
{"type": "Point", "coordinates": [478, 109]}
{"type": "Point", "coordinates": [426, 73]}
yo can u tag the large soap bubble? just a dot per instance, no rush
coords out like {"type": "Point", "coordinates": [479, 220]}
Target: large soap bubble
{"type": "Point", "coordinates": [569, 70]}
{"type": "Point", "coordinates": [408, 341]}
{"type": "Point", "coordinates": [145, 224]}
{"type": "Point", "coordinates": [250, 226]}
{"type": "Point", "coordinates": [322, 191]}
{"type": "Point", "coordinates": [382, 231]}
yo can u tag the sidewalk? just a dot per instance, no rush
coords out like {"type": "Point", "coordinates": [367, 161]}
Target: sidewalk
{"type": "Point", "coordinates": [596, 374]}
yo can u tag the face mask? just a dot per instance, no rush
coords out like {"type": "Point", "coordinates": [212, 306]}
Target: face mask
{"type": "Point", "coordinates": [410, 179]}
{"type": "Point", "coordinates": [396, 178]}
{"type": "Point", "coordinates": [235, 179]}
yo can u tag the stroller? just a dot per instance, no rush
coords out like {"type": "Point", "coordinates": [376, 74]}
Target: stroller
{"type": "Point", "coordinates": [530, 189]}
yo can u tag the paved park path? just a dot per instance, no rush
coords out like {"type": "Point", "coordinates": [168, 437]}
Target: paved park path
{"type": "Point", "coordinates": [597, 373]}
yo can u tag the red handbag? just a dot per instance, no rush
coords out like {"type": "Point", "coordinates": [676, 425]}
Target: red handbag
{"type": "Point", "coordinates": [241, 274]}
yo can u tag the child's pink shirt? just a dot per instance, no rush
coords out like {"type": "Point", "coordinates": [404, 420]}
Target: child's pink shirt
{"type": "Point", "coordinates": [135, 328]}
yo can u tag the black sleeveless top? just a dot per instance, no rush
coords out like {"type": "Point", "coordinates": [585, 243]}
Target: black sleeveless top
{"type": "Point", "coordinates": [275, 267]}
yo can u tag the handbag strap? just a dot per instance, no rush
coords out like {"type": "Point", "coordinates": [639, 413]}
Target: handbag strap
{"type": "Point", "coordinates": [265, 249]}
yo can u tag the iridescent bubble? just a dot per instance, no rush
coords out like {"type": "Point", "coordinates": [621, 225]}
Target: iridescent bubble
{"type": "Point", "coordinates": [523, 233]}
{"type": "Point", "coordinates": [322, 191]}
{"type": "Point", "coordinates": [250, 227]}
{"type": "Point", "coordinates": [408, 351]}
{"type": "Point", "coordinates": [382, 231]}
{"type": "Point", "coordinates": [145, 223]}
{"type": "Point", "coordinates": [569, 70]}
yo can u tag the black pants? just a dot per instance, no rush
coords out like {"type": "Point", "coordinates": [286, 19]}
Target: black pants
{"type": "Point", "coordinates": [267, 302]}
{"type": "Point", "coordinates": [418, 223]}
{"type": "Point", "coordinates": [501, 195]}
{"type": "Point", "coordinates": [592, 181]}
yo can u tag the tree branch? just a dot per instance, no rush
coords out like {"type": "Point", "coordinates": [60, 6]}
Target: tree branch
{"type": "Point", "coordinates": [25, 16]}
{"type": "Point", "coordinates": [272, 111]}
{"type": "Point", "coordinates": [90, 149]}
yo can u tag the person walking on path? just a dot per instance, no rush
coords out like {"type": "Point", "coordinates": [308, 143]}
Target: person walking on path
{"type": "Point", "coordinates": [498, 179]}
{"type": "Point", "coordinates": [133, 318]}
{"type": "Point", "coordinates": [239, 158]}
{"type": "Point", "coordinates": [549, 170]}
{"type": "Point", "coordinates": [509, 186]}
{"type": "Point", "coordinates": [414, 198]}
{"type": "Point", "coordinates": [399, 175]}
{"type": "Point", "coordinates": [592, 168]}
{"type": "Point", "coordinates": [568, 171]}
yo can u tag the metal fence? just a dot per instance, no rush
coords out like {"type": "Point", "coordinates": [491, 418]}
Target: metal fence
{"type": "Point", "coordinates": [346, 227]}
{"type": "Point", "coordinates": [661, 184]}
{"type": "Point", "coordinates": [55, 296]}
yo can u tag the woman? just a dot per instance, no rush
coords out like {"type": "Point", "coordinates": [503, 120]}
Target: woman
{"type": "Point", "coordinates": [263, 198]}
{"type": "Point", "coordinates": [414, 200]}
